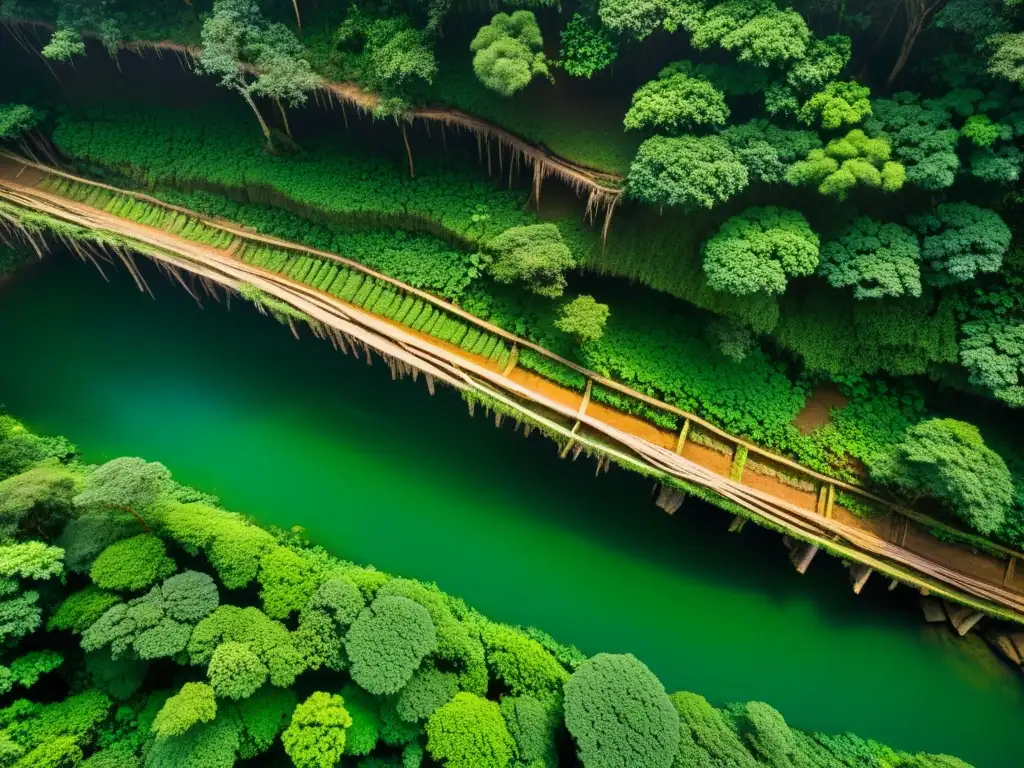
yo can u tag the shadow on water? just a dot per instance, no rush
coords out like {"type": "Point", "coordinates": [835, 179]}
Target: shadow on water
{"type": "Point", "coordinates": [379, 472]}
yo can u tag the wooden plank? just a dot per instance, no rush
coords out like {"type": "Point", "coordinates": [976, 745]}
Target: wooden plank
{"type": "Point", "coordinates": [1011, 570]}
{"type": "Point", "coordinates": [586, 399]}
{"type": "Point", "coordinates": [830, 501]}
{"type": "Point", "coordinates": [513, 360]}
{"type": "Point", "coordinates": [859, 575]}
{"type": "Point", "coordinates": [893, 583]}
{"type": "Point", "coordinates": [961, 617]}
{"type": "Point", "coordinates": [736, 472]}
{"type": "Point", "coordinates": [802, 556]}
{"type": "Point", "coordinates": [822, 499]}
{"type": "Point", "coordinates": [682, 436]}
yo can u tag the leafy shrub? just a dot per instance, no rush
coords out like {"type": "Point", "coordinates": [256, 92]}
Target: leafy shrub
{"type": "Point", "coordinates": [235, 671]}
{"type": "Point", "coordinates": [586, 49]}
{"type": "Point", "coordinates": [619, 714]}
{"type": "Point", "coordinates": [387, 642]}
{"type": "Point", "coordinates": [193, 704]}
{"type": "Point", "coordinates": [316, 736]}
{"type": "Point", "coordinates": [132, 564]}
{"type": "Point", "coordinates": [508, 52]}
{"type": "Point", "coordinates": [949, 460]}
{"type": "Point", "coordinates": [469, 732]}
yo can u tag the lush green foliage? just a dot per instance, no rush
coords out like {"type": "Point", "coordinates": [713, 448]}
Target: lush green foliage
{"type": "Point", "coordinates": [846, 163]}
{"type": "Point", "coordinates": [877, 259]}
{"type": "Point", "coordinates": [455, 687]}
{"type": "Point", "coordinates": [759, 250]}
{"type": "Point", "coordinates": [619, 714]}
{"type": "Point", "coordinates": [675, 103]}
{"type": "Point", "coordinates": [508, 52]}
{"type": "Point", "coordinates": [586, 49]}
{"type": "Point", "coordinates": [688, 171]}
{"type": "Point", "coordinates": [948, 459]}
{"type": "Point", "coordinates": [534, 255]}
{"type": "Point", "coordinates": [132, 564]}
{"type": "Point", "coordinates": [584, 318]}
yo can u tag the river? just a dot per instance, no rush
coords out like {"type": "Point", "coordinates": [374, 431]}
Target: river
{"type": "Point", "coordinates": [378, 472]}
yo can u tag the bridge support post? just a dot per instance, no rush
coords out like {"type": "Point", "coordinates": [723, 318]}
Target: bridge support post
{"type": "Point", "coordinates": [683, 433]}
{"type": "Point", "coordinates": [961, 617]}
{"type": "Point", "coordinates": [800, 554]}
{"type": "Point", "coordinates": [513, 360]}
{"type": "Point", "coordinates": [669, 499]}
{"type": "Point", "coordinates": [859, 575]}
{"type": "Point", "coordinates": [738, 524]}
{"type": "Point", "coordinates": [1011, 570]}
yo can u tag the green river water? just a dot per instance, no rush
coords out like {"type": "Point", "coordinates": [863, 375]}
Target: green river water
{"type": "Point", "coordinates": [379, 472]}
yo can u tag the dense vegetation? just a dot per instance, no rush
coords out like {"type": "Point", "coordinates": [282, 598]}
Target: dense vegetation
{"type": "Point", "coordinates": [146, 626]}
{"type": "Point", "coordinates": [891, 131]}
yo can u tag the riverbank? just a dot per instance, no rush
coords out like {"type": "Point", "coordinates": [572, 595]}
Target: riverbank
{"type": "Point", "coordinates": [293, 433]}
{"type": "Point", "coordinates": [220, 259]}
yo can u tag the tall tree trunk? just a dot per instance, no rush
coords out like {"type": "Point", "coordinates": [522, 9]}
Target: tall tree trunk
{"type": "Point", "coordinates": [918, 14]}
{"type": "Point", "coordinates": [408, 151]}
{"type": "Point", "coordinates": [263, 123]}
{"type": "Point", "coordinates": [284, 117]}
{"type": "Point", "coordinates": [298, 17]}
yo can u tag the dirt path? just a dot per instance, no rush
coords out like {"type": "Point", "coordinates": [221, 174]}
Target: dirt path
{"type": "Point", "coordinates": [890, 544]}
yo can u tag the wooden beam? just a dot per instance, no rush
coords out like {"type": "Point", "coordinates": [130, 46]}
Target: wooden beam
{"type": "Point", "coordinates": [830, 501]}
{"type": "Point", "coordinates": [669, 499]}
{"type": "Point", "coordinates": [1011, 570]}
{"type": "Point", "coordinates": [682, 436]}
{"type": "Point", "coordinates": [932, 609]}
{"type": "Point", "coordinates": [801, 556]}
{"type": "Point", "coordinates": [736, 470]}
{"type": "Point", "coordinates": [859, 575]}
{"type": "Point", "coordinates": [586, 399]}
{"type": "Point", "coordinates": [961, 617]}
{"type": "Point", "coordinates": [513, 360]}
{"type": "Point", "coordinates": [738, 523]}
{"type": "Point", "coordinates": [822, 499]}
{"type": "Point", "coordinates": [893, 583]}
{"type": "Point", "coordinates": [570, 442]}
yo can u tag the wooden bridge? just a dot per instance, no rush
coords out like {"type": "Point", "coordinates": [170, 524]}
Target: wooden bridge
{"type": "Point", "coordinates": [754, 484]}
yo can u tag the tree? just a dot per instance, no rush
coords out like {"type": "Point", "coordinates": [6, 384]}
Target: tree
{"type": "Point", "coordinates": [825, 61]}
{"type": "Point", "coordinates": [387, 642]}
{"type": "Point", "coordinates": [83, 538]}
{"type": "Point", "coordinates": [1007, 59]}
{"type": "Point", "coordinates": [38, 500]}
{"type": "Point", "coordinates": [324, 621]}
{"type": "Point", "coordinates": [270, 640]}
{"type": "Point", "coordinates": [469, 732]}
{"type": "Point", "coordinates": [391, 53]}
{"type": "Point", "coordinates": [586, 49]}
{"type": "Point", "coordinates": [193, 704]}
{"type": "Point", "coordinates": [132, 564]}
{"type": "Point", "coordinates": [316, 736]}
{"type": "Point", "coordinates": [922, 138]}
{"type": "Point", "coordinates": [119, 678]}
{"type": "Point", "coordinates": [759, 250]}
{"type": "Point", "coordinates": [521, 663]}
{"type": "Point", "coordinates": [706, 738]}
{"type": "Point", "coordinates": [847, 162]}
{"type": "Point", "coordinates": [584, 318]}
{"type": "Point", "coordinates": [959, 241]}
{"type": "Point", "coordinates": [619, 714]}
{"type": "Point", "coordinates": [992, 350]}
{"type": "Point", "coordinates": [287, 582]}
{"type": "Point", "coordinates": [31, 560]}
{"type": "Point", "coordinates": [757, 30]}
{"type": "Point", "coordinates": [428, 689]}
{"type": "Point", "coordinates": [64, 45]}
{"type": "Point", "coordinates": [768, 151]}
{"type": "Point", "coordinates": [207, 745]}
{"type": "Point", "coordinates": [18, 119]}
{"type": "Point", "coordinates": [253, 57]}
{"type": "Point", "coordinates": [81, 609]}
{"type": "Point", "coordinates": [689, 171]}
{"type": "Point", "coordinates": [235, 671]}
{"type": "Point", "coordinates": [264, 715]}
{"type": "Point", "coordinates": [189, 596]}
{"type": "Point", "coordinates": [20, 449]}
{"type": "Point", "coordinates": [636, 17]}
{"type": "Point", "coordinates": [677, 103]}
{"type": "Point", "coordinates": [533, 254]}
{"type": "Point", "coordinates": [533, 726]}
{"type": "Point", "coordinates": [770, 740]}
{"type": "Point", "coordinates": [129, 485]}
{"type": "Point", "coordinates": [27, 669]}
{"type": "Point", "coordinates": [508, 52]}
{"type": "Point", "coordinates": [837, 104]}
{"type": "Point", "coordinates": [878, 259]}
{"type": "Point", "coordinates": [918, 13]}
{"type": "Point", "coordinates": [362, 736]}
{"type": "Point", "coordinates": [949, 461]}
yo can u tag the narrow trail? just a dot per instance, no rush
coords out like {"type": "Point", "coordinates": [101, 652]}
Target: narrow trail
{"type": "Point", "coordinates": [897, 545]}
